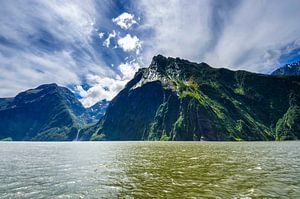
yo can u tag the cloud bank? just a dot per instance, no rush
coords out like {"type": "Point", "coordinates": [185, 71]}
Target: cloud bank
{"type": "Point", "coordinates": [250, 35]}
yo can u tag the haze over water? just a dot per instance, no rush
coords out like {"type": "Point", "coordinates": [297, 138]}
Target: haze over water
{"type": "Point", "coordinates": [149, 169]}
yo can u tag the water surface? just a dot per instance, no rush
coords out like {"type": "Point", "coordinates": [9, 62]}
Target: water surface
{"type": "Point", "coordinates": [150, 169]}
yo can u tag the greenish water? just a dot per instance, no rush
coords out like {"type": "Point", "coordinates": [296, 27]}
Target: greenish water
{"type": "Point", "coordinates": [150, 169]}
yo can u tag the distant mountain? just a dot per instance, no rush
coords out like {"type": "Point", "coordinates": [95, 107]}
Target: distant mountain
{"type": "Point", "coordinates": [174, 99]}
{"type": "Point", "coordinates": [48, 112]}
{"type": "Point", "coordinates": [288, 69]}
{"type": "Point", "coordinates": [97, 110]}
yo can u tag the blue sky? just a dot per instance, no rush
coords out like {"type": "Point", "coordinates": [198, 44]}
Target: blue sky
{"type": "Point", "coordinates": [95, 47]}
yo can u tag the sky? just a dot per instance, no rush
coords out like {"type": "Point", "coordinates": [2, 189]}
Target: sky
{"type": "Point", "coordinates": [95, 47]}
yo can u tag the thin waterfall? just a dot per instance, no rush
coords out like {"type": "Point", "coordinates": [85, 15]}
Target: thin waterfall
{"type": "Point", "coordinates": [77, 135]}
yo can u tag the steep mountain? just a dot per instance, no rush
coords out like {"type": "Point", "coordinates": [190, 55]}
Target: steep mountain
{"type": "Point", "coordinates": [288, 69]}
{"type": "Point", "coordinates": [97, 110]}
{"type": "Point", "coordinates": [174, 99]}
{"type": "Point", "coordinates": [48, 112]}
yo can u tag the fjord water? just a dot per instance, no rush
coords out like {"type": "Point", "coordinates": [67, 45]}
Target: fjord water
{"type": "Point", "coordinates": [149, 169]}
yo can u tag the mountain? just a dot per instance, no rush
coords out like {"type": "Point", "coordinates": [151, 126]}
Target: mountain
{"type": "Point", "coordinates": [174, 99]}
{"type": "Point", "coordinates": [48, 112]}
{"type": "Point", "coordinates": [288, 69]}
{"type": "Point", "coordinates": [97, 110]}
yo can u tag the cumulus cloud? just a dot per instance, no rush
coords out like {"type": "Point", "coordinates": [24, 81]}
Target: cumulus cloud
{"type": "Point", "coordinates": [58, 42]}
{"type": "Point", "coordinates": [129, 43]}
{"type": "Point", "coordinates": [101, 35]}
{"type": "Point", "coordinates": [106, 87]}
{"type": "Point", "coordinates": [128, 69]}
{"type": "Point", "coordinates": [125, 20]}
{"type": "Point", "coordinates": [101, 88]}
{"type": "Point", "coordinates": [111, 35]}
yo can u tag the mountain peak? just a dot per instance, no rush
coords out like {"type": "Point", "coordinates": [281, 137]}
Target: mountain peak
{"type": "Point", "coordinates": [159, 61]}
{"type": "Point", "coordinates": [175, 99]}
{"type": "Point", "coordinates": [288, 69]}
{"type": "Point", "coordinates": [41, 90]}
{"type": "Point", "coordinates": [50, 85]}
{"type": "Point", "coordinates": [47, 112]}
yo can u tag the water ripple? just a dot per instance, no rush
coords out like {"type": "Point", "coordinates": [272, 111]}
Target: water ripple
{"type": "Point", "coordinates": [150, 170]}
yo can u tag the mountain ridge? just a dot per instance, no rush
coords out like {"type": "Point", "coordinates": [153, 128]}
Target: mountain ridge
{"type": "Point", "coordinates": [174, 99]}
{"type": "Point", "coordinates": [47, 113]}
{"type": "Point", "coordinates": [288, 69]}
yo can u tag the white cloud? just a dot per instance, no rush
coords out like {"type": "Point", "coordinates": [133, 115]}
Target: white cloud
{"type": "Point", "coordinates": [257, 35]}
{"type": "Point", "coordinates": [107, 87]}
{"type": "Point", "coordinates": [101, 88]}
{"type": "Point", "coordinates": [101, 35]}
{"type": "Point", "coordinates": [111, 35]}
{"type": "Point", "coordinates": [69, 26]}
{"type": "Point", "coordinates": [51, 42]}
{"type": "Point", "coordinates": [125, 20]}
{"type": "Point", "coordinates": [128, 69]}
{"type": "Point", "coordinates": [179, 28]}
{"type": "Point", "coordinates": [58, 67]}
{"type": "Point", "coordinates": [236, 34]}
{"type": "Point", "coordinates": [67, 21]}
{"type": "Point", "coordinates": [129, 43]}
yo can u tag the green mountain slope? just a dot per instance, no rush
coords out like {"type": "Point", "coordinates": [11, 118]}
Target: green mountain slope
{"type": "Point", "coordinates": [174, 99]}
{"type": "Point", "coordinates": [48, 112]}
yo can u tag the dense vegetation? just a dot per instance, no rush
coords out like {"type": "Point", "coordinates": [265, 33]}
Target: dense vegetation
{"type": "Point", "coordinates": [175, 99]}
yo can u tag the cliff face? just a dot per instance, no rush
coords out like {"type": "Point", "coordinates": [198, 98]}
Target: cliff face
{"type": "Point", "coordinates": [174, 99]}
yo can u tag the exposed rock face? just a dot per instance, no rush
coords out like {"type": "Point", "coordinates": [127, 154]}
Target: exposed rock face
{"type": "Point", "coordinates": [174, 99]}
{"type": "Point", "coordinates": [288, 69]}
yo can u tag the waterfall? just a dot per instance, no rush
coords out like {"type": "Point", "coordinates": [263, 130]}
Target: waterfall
{"type": "Point", "coordinates": [77, 135]}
